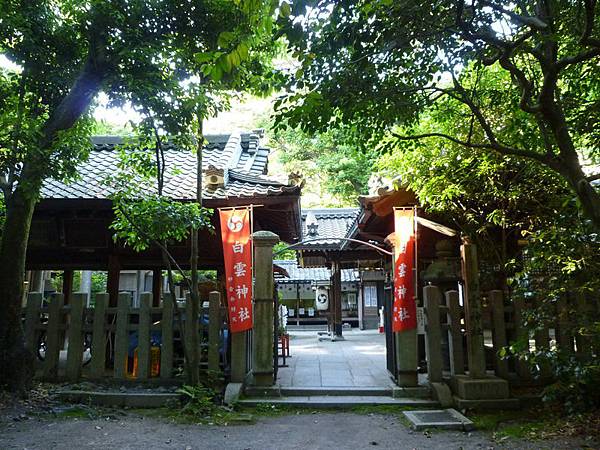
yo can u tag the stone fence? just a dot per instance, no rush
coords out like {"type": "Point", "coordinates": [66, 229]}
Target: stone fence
{"type": "Point", "coordinates": [72, 341]}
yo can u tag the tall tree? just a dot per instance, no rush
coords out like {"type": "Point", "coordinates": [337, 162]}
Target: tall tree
{"type": "Point", "coordinates": [379, 63]}
{"type": "Point", "coordinates": [67, 52]}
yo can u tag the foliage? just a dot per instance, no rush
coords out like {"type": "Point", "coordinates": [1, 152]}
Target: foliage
{"type": "Point", "coordinates": [560, 274]}
{"type": "Point", "coordinates": [336, 160]}
{"type": "Point", "coordinates": [280, 251]}
{"type": "Point", "coordinates": [492, 198]}
{"type": "Point", "coordinates": [376, 64]}
{"type": "Point", "coordinates": [164, 58]}
{"type": "Point", "coordinates": [199, 401]}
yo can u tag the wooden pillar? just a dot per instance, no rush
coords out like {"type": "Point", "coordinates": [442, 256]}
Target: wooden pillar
{"type": "Point", "coordinates": [472, 304]}
{"type": "Point", "coordinates": [214, 328]}
{"type": "Point", "coordinates": [112, 283]}
{"type": "Point", "coordinates": [499, 332]}
{"type": "Point", "coordinates": [67, 286]}
{"type": "Point", "coordinates": [86, 285]}
{"type": "Point", "coordinates": [157, 287]}
{"type": "Point", "coordinates": [75, 336]}
{"type": "Point", "coordinates": [336, 284]}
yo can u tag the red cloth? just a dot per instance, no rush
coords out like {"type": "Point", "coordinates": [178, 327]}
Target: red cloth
{"type": "Point", "coordinates": [237, 253]}
{"type": "Point", "coordinates": [404, 315]}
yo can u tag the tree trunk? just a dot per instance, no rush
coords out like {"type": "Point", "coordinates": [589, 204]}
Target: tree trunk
{"type": "Point", "coordinates": [16, 362]}
{"type": "Point", "coordinates": [586, 193]}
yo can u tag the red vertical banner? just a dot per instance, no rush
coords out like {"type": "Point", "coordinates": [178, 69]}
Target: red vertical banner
{"type": "Point", "coordinates": [237, 253]}
{"type": "Point", "coordinates": [405, 309]}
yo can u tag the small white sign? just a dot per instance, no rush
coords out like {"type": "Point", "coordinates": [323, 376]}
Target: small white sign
{"type": "Point", "coordinates": [301, 311]}
{"type": "Point", "coordinates": [311, 312]}
{"type": "Point", "coordinates": [291, 312]}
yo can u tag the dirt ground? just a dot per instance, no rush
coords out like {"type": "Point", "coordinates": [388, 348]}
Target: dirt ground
{"type": "Point", "coordinates": [20, 429]}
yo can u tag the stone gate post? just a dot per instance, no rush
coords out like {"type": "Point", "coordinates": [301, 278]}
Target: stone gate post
{"type": "Point", "coordinates": [407, 359]}
{"type": "Point", "coordinates": [262, 352]}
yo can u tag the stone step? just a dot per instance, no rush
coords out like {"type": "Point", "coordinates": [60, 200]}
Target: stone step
{"type": "Point", "coordinates": [338, 401]}
{"type": "Point", "coordinates": [336, 391]}
{"type": "Point", "coordinates": [120, 399]}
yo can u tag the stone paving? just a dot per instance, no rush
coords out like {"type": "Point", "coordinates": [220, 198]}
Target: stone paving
{"type": "Point", "coordinates": [357, 361]}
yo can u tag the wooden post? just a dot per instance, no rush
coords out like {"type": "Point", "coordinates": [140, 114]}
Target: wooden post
{"type": "Point", "coordinates": [75, 336]}
{"type": "Point", "coordinates": [455, 340]}
{"type": "Point", "coordinates": [192, 338]}
{"type": "Point", "coordinates": [564, 337]}
{"type": "Point", "coordinates": [472, 302]}
{"type": "Point", "coordinates": [32, 320]}
{"type": "Point", "coordinates": [583, 343]}
{"type": "Point", "coordinates": [157, 287]}
{"type": "Point", "coordinates": [499, 332]}
{"type": "Point", "coordinates": [336, 284]}
{"type": "Point", "coordinates": [542, 342]}
{"type": "Point", "coordinates": [143, 350]}
{"type": "Point", "coordinates": [67, 286]}
{"type": "Point", "coordinates": [122, 336]}
{"type": "Point", "coordinates": [166, 347]}
{"type": "Point", "coordinates": [521, 332]}
{"type": "Point", "coordinates": [112, 282]}
{"type": "Point", "coordinates": [433, 335]}
{"type": "Point", "coordinates": [53, 341]}
{"type": "Point", "coordinates": [214, 328]}
{"type": "Point", "coordinates": [98, 363]}
{"type": "Point", "coordinates": [263, 332]}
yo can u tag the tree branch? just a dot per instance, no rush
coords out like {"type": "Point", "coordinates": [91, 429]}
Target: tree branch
{"type": "Point", "coordinates": [505, 150]}
{"type": "Point", "coordinates": [593, 177]}
{"type": "Point", "coordinates": [586, 39]}
{"type": "Point", "coordinates": [580, 57]}
{"type": "Point", "coordinates": [530, 21]}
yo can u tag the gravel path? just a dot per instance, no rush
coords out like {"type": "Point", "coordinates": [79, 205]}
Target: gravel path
{"type": "Point", "coordinates": [305, 431]}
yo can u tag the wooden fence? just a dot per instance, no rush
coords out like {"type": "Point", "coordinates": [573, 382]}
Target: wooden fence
{"type": "Point", "coordinates": [121, 342]}
{"type": "Point", "coordinates": [501, 325]}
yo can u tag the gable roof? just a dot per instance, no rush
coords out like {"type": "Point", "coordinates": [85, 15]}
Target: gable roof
{"type": "Point", "coordinates": [239, 155]}
{"type": "Point", "coordinates": [332, 225]}
{"type": "Point", "coordinates": [297, 274]}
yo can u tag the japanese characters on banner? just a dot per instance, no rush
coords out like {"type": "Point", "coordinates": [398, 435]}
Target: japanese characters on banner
{"type": "Point", "coordinates": [237, 253]}
{"type": "Point", "coordinates": [405, 311]}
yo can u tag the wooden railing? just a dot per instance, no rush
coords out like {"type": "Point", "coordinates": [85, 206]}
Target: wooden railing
{"type": "Point", "coordinates": [74, 341]}
{"type": "Point", "coordinates": [502, 324]}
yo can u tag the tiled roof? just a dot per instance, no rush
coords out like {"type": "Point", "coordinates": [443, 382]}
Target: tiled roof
{"type": "Point", "coordinates": [332, 225]}
{"type": "Point", "coordinates": [307, 275]}
{"type": "Point", "coordinates": [239, 154]}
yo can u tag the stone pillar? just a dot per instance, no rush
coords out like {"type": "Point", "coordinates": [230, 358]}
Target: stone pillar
{"type": "Point", "coordinates": [407, 360]}
{"type": "Point", "coordinates": [262, 352]}
{"type": "Point", "coordinates": [433, 333]}
{"type": "Point", "coordinates": [472, 305]}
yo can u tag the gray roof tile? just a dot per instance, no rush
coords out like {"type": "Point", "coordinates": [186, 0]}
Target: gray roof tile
{"type": "Point", "coordinates": [333, 224]}
{"type": "Point", "coordinates": [238, 153]}
{"type": "Point", "coordinates": [307, 275]}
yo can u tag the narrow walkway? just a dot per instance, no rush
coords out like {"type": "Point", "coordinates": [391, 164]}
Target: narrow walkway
{"type": "Point", "coordinates": [358, 361]}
